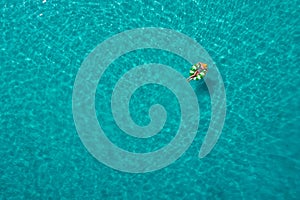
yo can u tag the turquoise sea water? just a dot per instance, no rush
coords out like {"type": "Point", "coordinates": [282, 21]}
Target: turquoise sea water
{"type": "Point", "coordinates": [255, 45]}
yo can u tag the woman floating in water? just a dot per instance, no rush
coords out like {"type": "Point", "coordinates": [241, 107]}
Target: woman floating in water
{"type": "Point", "coordinates": [198, 71]}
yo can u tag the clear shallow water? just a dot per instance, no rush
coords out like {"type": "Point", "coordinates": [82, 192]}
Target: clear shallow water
{"type": "Point", "coordinates": [254, 45]}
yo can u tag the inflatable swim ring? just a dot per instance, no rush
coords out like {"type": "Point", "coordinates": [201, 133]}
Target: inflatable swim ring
{"type": "Point", "coordinates": [201, 75]}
